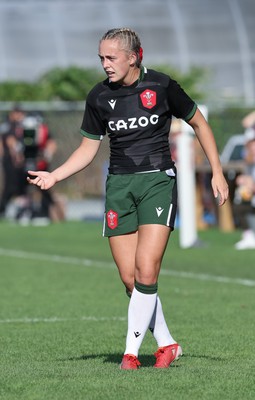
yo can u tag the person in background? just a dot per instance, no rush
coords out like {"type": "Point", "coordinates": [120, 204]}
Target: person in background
{"type": "Point", "coordinates": [11, 154]}
{"type": "Point", "coordinates": [135, 105]}
{"type": "Point", "coordinates": [27, 143]}
{"type": "Point", "coordinates": [39, 148]}
{"type": "Point", "coordinates": [244, 199]}
{"type": "Point", "coordinates": [45, 206]}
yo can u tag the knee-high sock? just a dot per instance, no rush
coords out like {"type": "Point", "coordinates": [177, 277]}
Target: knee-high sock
{"type": "Point", "coordinates": [140, 311]}
{"type": "Point", "coordinates": [159, 328]}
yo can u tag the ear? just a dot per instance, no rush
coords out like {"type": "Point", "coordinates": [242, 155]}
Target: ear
{"type": "Point", "coordinates": [132, 59]}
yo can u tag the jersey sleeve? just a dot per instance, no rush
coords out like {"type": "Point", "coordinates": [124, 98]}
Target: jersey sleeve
{"type": "Point", "coordinates": [92, 125]}
{"type": "Point", "coordinates": [181, 105]}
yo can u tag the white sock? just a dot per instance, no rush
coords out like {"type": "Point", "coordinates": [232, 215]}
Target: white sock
{"type": "Point", "coordinates": [159, 328]}
{"type": "Point", "coordinates": [140, 311]}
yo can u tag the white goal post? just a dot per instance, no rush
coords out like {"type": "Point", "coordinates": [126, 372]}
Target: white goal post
{"type": "Point", "coordinates": [186, 184]}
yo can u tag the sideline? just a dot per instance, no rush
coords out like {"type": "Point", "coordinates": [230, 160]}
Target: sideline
{"type": "Point", "coordinates": [57, 319]}
{"type": "Point", "coordinates": [104, 264]}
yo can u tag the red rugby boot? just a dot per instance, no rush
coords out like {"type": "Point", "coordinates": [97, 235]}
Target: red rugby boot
{"type": "Point", "coordinates": [166, 355]}
{"type": "Point", "coordinates": [129, 361]}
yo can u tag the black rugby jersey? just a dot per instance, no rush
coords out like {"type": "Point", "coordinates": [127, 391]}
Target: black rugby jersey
{"type": "Point", "coordinates": [137, 119]}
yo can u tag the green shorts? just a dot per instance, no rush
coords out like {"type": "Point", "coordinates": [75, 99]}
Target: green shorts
{"type": "Point", "coordinates": [139, 199]}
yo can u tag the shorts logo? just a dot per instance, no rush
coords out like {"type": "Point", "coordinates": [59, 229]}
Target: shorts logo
{"type": "Point", "coordinates": [149, 98]}
{"type": "Point", "coordinates": [112, 219]}
{"type": "Point", "coordinates": [159, 211]}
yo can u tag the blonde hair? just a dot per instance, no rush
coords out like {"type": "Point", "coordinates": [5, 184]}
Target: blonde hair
{"type": "Point", "coordinates": [129, 40]}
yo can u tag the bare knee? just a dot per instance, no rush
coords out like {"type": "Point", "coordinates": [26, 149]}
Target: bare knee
{"type": "Point", "coordinates": [128, 280]}
{"type": "Point", "coordinates": [147, 271]}
{"type": "Point", "coordinates": [146, 278]}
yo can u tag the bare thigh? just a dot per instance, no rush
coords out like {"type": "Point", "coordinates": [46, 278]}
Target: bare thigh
{"type": "Point", "coordinates": [138, 255]}
{"type": "Point", "coordinates": [123, 249]}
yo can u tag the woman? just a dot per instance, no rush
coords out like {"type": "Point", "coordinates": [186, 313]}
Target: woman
{"type": "Point", "coordinates": [135, 106]}
{"type": "Point", "coordinates": [244, 199]}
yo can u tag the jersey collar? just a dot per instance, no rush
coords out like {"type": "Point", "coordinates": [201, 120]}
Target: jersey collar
{"type": "Point", "coordinates": [143, 71]}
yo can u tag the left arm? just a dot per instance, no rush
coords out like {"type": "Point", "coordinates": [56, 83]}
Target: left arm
{"type": "Point", "coordinates": [206, 138]}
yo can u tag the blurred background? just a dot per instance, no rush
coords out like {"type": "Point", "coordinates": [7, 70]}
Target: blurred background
{"type": "Point", "coordinates": [49, 62]}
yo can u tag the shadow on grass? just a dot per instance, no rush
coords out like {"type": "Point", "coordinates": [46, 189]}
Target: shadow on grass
{"type": "Point", "coordinates": [146, 360]}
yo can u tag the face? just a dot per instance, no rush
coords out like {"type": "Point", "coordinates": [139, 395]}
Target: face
{"type": "Point", "coordinates": [118, 64]}
{"type": "Point", "coordinates": [16, 115]}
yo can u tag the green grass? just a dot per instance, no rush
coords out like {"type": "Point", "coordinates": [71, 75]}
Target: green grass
{"type": "Point", "coordinates": [63, 320]}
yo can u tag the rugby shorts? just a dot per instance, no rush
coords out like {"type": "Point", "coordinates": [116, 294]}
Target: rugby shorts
{"type": "Point", "coordinates": [138, 199]}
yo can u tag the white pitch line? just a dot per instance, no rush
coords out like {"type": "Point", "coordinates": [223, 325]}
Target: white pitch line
{"type": "Point", "coordinates": [57, 319]}
{"type": "Point", "coordinates": [55, 258]}
{"type": "Point", "coordinates": [207, 277]}
{"type": "Point", "coordinates": [105, 264]}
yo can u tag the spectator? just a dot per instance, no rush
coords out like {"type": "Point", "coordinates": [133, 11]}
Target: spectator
{"type": "Point", "coordinates": [27, 143]}
{"type": "Point", "coordinates": [11, 154]}
{"type": "Point", "coordinates": [39, 149]}
{"type": "Point", "coordinates": [244, 200]}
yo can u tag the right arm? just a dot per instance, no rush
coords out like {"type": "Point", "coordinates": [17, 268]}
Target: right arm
{"type": "Point", "coordinates": [78, 160]}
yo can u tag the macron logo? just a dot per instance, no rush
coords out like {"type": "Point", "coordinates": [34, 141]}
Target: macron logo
{"type": "Point", "coordinates": [159, 211]}
{"type": "Point", "coordinates": [112, 103]}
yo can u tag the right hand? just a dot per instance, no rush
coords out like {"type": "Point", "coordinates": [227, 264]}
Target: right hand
{"type": "Point", "coordinates": [45, 180]}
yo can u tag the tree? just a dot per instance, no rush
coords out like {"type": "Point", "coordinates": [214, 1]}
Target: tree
{"type": "Point", "coordinates": [70, 84]}
{"type": "Point", "coordinates": [74, 83]}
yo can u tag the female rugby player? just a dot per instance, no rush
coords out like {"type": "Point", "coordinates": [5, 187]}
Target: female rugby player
{"type": "Point", "coordinates": [134, 106]}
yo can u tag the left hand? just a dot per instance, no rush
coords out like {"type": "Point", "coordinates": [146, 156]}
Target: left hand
{"type": "Point", "coordinates": [220, 188]}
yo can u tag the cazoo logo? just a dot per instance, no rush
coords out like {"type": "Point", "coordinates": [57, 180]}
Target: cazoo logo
{"type": "Point", "coordinates": [133, 123]}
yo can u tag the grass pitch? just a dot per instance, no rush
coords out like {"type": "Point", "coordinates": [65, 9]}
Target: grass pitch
{"type": "Point", "coordinates": [63, 318]}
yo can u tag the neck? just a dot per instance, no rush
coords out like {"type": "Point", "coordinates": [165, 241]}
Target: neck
{"type": "Point", "coordinates": [131, 77]}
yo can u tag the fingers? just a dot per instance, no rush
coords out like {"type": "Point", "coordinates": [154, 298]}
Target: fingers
{"type": "Point", "coordinates": [220, 189]}
{"type": "Point", "coordinates": [33, 173]}
{"type": "Point", "coordinates": [36, 178]}
{"type": "Point", "coordinates": [42, 179]}
{"type": "Point", "coordinates": [220, 200]}
{"type": "Point", "coordinates": [36, 181]}
{"type": "Point", "coordinates": [221, 197]}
